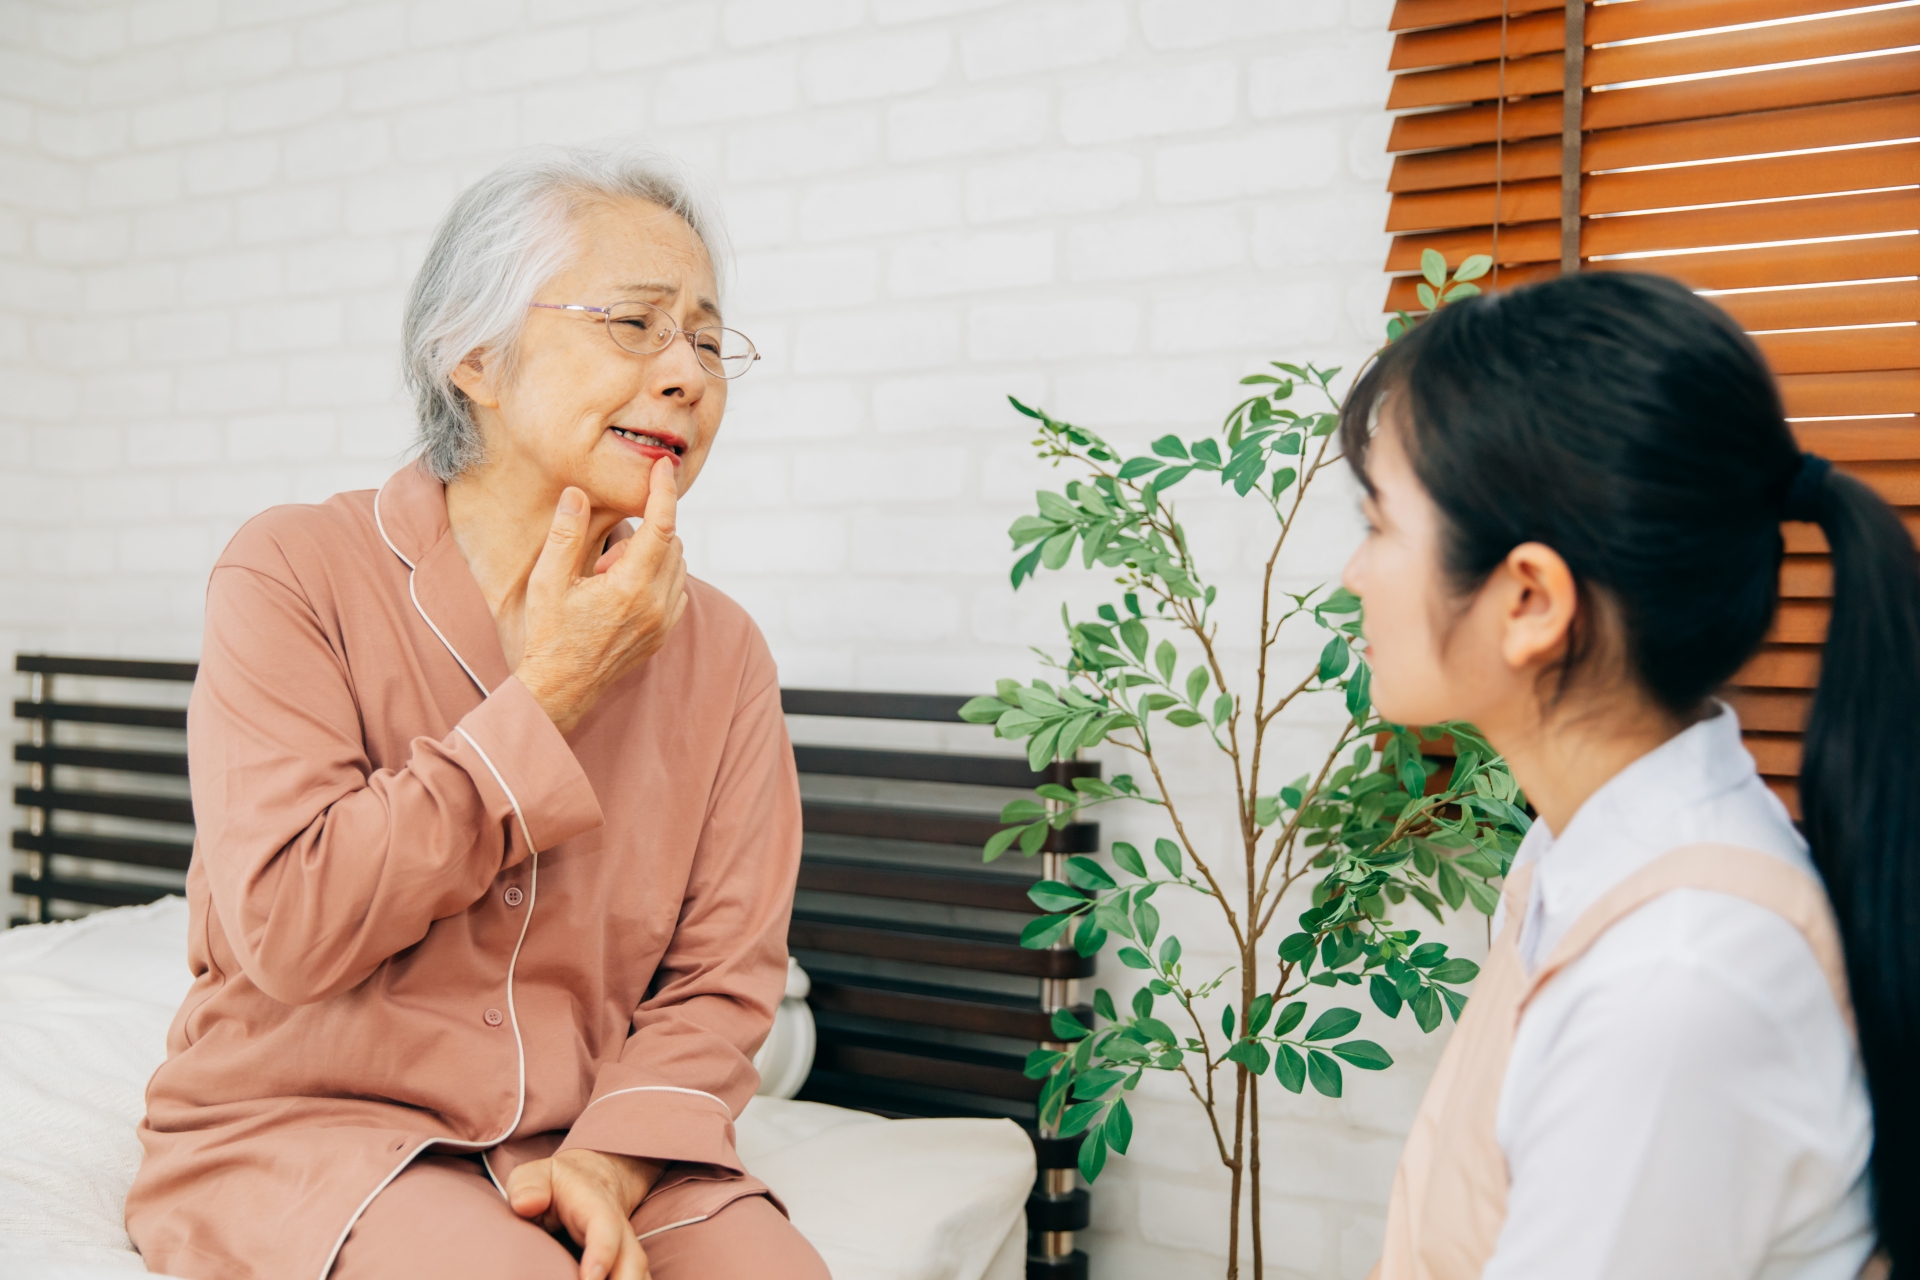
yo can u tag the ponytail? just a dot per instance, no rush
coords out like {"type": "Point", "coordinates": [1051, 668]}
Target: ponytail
{"type": "Point", "coordinates": [1860, 801]}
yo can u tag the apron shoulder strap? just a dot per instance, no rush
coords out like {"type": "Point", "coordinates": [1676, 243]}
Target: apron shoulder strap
{"type": "Point", "coordinates": [1760, 878]}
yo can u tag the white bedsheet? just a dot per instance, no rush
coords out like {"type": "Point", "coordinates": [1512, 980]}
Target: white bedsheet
{"type": "Point", "coordinates": [84, 1009]}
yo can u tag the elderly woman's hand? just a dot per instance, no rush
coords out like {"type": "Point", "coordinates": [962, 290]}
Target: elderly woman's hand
{"type": "Point", "coordinates": [586, 628]}
{"type": "Point", "coordinates": [591, 1196]}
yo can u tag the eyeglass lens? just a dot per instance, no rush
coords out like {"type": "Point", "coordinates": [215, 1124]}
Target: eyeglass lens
{"type": "Point", "coordinates": [644, 329]}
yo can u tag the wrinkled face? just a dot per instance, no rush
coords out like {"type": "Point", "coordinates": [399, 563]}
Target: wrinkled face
{"type": "Point", "coordinates": [582, 411]}
{"type": "Point", "coordinates": [1432, 659]}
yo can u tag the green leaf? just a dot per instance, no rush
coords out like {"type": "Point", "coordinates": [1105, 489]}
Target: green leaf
{"type": "Point", "coordinates": [1456, 1002]}
{"type": "Point", "coordinates": [1164, 656]}
{"type": "Point", "coordinates": [997, 843]}
{"type": "Point", "coordinates": [1023, 567]}
{"type": "Point", "coordinates": [1455, 291]}
{"type": "Point", "coordinates": [1142, 1002]}
{"type": "Point", "coordinates": [1428, 298]}
{"type": "Point", "coordinates": [1433, 267]}
{"type": "Point", "coordinates": [1324, 1072]}
{"type": "Point", "coordinates": [1427, 955]}
{"type": "Point", "coordinates": [1364, 1054]}
{"type": "Point", "coordinates": [1290, 1017]}
{"type": "Point", "coordinates": [1341, 601]}
{"type": "Point", "coordinates": [1359, 690]}
{"type": "Point", "coordinates": [1088, 874]}
{"type": "Point", "coordinates": [1206, 451]}
{"type": "Point", "coordinates": [1055, 550]}
{"type": "Point", "coordinates": [1134, 468]}
{"type": "Point", "coordinates": [1089, 937]}
{"type": "Point", "coordinates": [1458, 969]}
{"type": "Point", "coordinates": [1148, 920]}
{"type": "Point", "coordinates": [1103, 1005]}
{"type": "Point", "coordinates": [1133, 634]}
{"type": "Point", "coordinates": [1051, 895]}
{"type": "Point", "coordinates": [1474, 267]}
{"type": "Point", "coordinates": [1184, 718]}
{"type": "Point", "coordinates": [1289, 1068]}
{"type": "Point", "coordinates": [1486, 899]}
{"type": "Point", "coordinates": [1250, 1054]}
{"type": "Point", "coordinates": [1043, 931]}
{"type": "Point", "coordinates": [1169, 952]}
{"type": "Point", "coordinates": [1196, 684]}
{"type": "Point", "coordinates": [1168, 478]}
{"type": "Point", "coordinates": [983, 710]}
{"type": "Point", "coordinates": [1333, 1024]}
{"type": "Point", "coordinates": [1296, 947]}
{"type": "Point", "coordinates": [1128, 858]}
{"type": "Point", "coordinates": [1078, 1117]}
{"type": "Point", "coordinates": [1335, 658]}
{"type": "Point", "coordinates": [1119, 1127]}
{"type": "Point", "coordinates": [1093, 1155]}
{"type": "Point", "coordinates": [1041, 1062]}
{"type": "Point", "coordinates": [1032, 837]}
{"type": "Point", "coordinates": [1386, 997]}
{"type": "Point", "coordinates": [1452, 886]}
{"type": "Point", "coordinates": [1226, 1021]}
{"type": "Point", "coordinates": [1282, 478]}
{"type": "Point", "coordinates": [1169, 854]}
{"type": "Point", "coordinates": [1222, 708]}
{"type": "Point", "coordinates": [1135, 958]}
{"type": "Point", "coordinates": [1170, 447]}
{"type": "Point", "coordinates": [1068, 1027]}
{"type": "Point", "coordinates": [1257, 1016]}
{"type": "Point", "coordinates": [1022, 408]}
{"type": "Point", "coordinates": [1426, 1009]}
{"type": "Point", "coordinates": [1091, 1084]}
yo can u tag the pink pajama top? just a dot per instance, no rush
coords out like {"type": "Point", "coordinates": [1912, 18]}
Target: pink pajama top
{"type": "Point", "coordinates": [425, 920]}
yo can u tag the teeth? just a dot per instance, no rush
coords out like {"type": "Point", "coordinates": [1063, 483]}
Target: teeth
{"type": "Point", "coordinates": [638, 438]}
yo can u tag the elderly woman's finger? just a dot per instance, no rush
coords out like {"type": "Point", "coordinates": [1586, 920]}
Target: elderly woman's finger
{"type": "Point", "coordinates": [560, 554]}
{"type": "Point", "coordinates": [663, 500]}
{"type": "Point", "coordinates": [530, 1188]}
{"type": "Point", "coordinates": [602, 1249]}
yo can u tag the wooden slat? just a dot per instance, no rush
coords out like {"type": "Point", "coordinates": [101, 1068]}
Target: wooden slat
{"type": "Point", "coordinates": [1771, 710]}
{"type": "Point", "coordinates": [171, 854]}
{"type": "Point", "coordinates": [116, 668]}
{"type": "Point", "coordinates": [925, 944]}
{"type": "Point", "coordinates": [1854, 439]}
{"type": "Point", "coordinates": [1879, 302]}
{"type": "Point", "coordinates": [151, 808]}
{"type": "Point", "coordinates": [1800, 622]}
{"type": "Point", "coordinates": [1867, 213]}
{"type": "Point", "coordinates": [1605, 24]}
{"type": "Point", "coordinates": [1832, 124]}
{"type": "Point", "coordinates": [171, 763]}
{"type": "Point", "coordinates": [1842, 350]}
{"type": "Point", "coordinates": [932, 826]}
{"type": "Point", "coordinates": [1474, 166]}
{"type": "Point", "coordinates": [1777, 755]}
{"type": "Point", "coordinates": [1410, 14]}
{"type": "Point", "coordinates": [1880, 76]}
{"type": "Point", "coordinates": [1833, 395]}
{"type": "Point", "coordinates": [985, 889]}
{"type": "Point", "coordinates": [1768, 178]}
{"type": "Point", "coordinates": [1806, 578]}
{"type": "Point", "coordinates": [1686, 56]}
{"type": "Point", "coordinates": [100, 713]}
{"type": "Point", "coordinates": [872, 706]}
{"type": "Point", "coordinates": [1465, 126]}
{"type": "Point", "coordinates": [98, 893]}
{"type": "Point", "coordinates": [927, 1005]}
{"type": "Point", "coordinates": [1781, 667]}
{"type": "Point", "coordinates": [937, 766]}
{"type": "Point", "coordinates": [942, 1067]}
{"type": "Point", "coordinates": [1529, 201]}
{"type": "Point", "coordinates": [1784, 264]}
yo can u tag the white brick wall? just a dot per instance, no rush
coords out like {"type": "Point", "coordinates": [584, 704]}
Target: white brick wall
{"type": "Point", "coordinates": [209, 210]}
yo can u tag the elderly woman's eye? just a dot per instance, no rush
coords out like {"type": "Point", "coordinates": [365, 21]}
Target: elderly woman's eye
{"type": "Point", "coordinates": [710, 344]}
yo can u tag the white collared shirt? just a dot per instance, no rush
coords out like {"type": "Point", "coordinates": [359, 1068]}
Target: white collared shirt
{"type": "Point", "coordinates": [1684, 1100]}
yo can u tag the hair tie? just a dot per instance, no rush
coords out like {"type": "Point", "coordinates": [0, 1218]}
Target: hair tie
{"type": "Point", "coordinates": [1803, 495]}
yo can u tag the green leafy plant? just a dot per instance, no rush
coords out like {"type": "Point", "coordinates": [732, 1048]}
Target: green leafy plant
{"type": "Point", "coordinates": [1376, 835]}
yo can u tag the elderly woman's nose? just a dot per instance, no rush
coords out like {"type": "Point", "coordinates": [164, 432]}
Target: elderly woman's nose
{"type": "Point", "coordinates": [677, 372]}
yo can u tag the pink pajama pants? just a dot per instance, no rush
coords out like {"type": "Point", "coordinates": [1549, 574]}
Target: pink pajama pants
{"type": "Point", "coordinates": [443, 1217]}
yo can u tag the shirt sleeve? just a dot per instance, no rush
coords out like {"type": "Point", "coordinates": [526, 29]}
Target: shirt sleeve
{"type": "Point", "coordinates": [687, 1068]}
{"type": "Point", "coordinates": [1661, 1120]}
{"type": "Point", "coordinates": [319, 865]}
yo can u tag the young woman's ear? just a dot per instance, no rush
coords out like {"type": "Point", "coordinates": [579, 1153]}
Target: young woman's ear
{"type": "Point", "coordinates": [1538, 605]}
{"type": "Point", "coordinates": [475, 378]}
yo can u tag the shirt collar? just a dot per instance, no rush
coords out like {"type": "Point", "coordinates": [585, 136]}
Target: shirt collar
{"type": "Point", "coordinates": [410, 512]}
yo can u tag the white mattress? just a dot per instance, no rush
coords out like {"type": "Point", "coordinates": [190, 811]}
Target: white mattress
{"type": "Point", "coordinates": [84, 1009]}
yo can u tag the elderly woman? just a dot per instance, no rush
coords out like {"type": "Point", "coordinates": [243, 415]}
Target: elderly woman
{"type": "Point", "coordinates": [498, 822]}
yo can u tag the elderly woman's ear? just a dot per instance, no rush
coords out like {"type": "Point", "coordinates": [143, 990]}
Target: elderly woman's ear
{"type": "Point", "coordinates": [475, 378]}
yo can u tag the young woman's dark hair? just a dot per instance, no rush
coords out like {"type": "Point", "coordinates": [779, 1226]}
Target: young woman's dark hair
{"type": "Point", "coordinates": [1632, 427]}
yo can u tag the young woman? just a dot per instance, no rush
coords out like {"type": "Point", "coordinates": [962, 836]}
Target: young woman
{"type": "Point", "coordinates": [1575, 493]}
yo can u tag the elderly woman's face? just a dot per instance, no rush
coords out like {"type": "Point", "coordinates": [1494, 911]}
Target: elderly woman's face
{"type": "Point", "coordinates": [580, 410]}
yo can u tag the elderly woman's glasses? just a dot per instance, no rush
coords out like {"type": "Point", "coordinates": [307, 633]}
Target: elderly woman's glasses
{"type": "Point", "coordinates": [646, 330]}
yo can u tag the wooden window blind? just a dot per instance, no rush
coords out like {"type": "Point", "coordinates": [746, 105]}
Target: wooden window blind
{"type": "Point", "coordinates": [1765, 152]}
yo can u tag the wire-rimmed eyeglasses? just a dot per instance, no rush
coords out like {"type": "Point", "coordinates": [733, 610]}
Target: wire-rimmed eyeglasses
{"type": "Point", "coordinates": [646, 330]}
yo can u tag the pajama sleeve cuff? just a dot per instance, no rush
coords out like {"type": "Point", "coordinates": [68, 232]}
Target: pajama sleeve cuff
{"type": "Point", "coordinates": [521, 762]}
{"type": "Point", "coordinates": [658, 1122]}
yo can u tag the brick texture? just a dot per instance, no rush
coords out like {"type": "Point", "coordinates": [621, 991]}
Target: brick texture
{"type": "Point", "coordinates": [209, 211]}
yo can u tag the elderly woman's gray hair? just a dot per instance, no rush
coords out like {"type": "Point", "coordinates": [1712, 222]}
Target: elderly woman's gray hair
{"type": "Point", "coordinates": [504, 237]}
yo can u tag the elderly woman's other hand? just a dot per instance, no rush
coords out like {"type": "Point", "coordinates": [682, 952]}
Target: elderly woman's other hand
{"type": "Point", "coordinates": [589, 625]}
{"type": "Point", "coordinates": [591, 1196]}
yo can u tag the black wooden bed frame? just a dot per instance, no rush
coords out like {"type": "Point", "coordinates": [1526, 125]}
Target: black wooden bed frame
{"type": "Point", "coordinates": [925, 1002]}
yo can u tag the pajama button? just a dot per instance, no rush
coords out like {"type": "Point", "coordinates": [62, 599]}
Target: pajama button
{"type": "Point", "coordinates": [493, 1017]}
{"type": "Point", "coordinates": [513, 895]}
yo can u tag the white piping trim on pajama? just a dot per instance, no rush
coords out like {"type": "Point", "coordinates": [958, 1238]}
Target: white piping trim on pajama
{"type": "Point", "coordinates": [656, 1088]}
{"type": "Point", "coordinates": [533, 895]}
{"type": "Point", "coordinates": [511, 798]}
{"type": "Point", "coordinates": [684, 1222]}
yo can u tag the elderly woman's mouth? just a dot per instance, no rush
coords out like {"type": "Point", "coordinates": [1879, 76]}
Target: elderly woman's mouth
{"type": "Point", "coordinates": [653, 445]}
